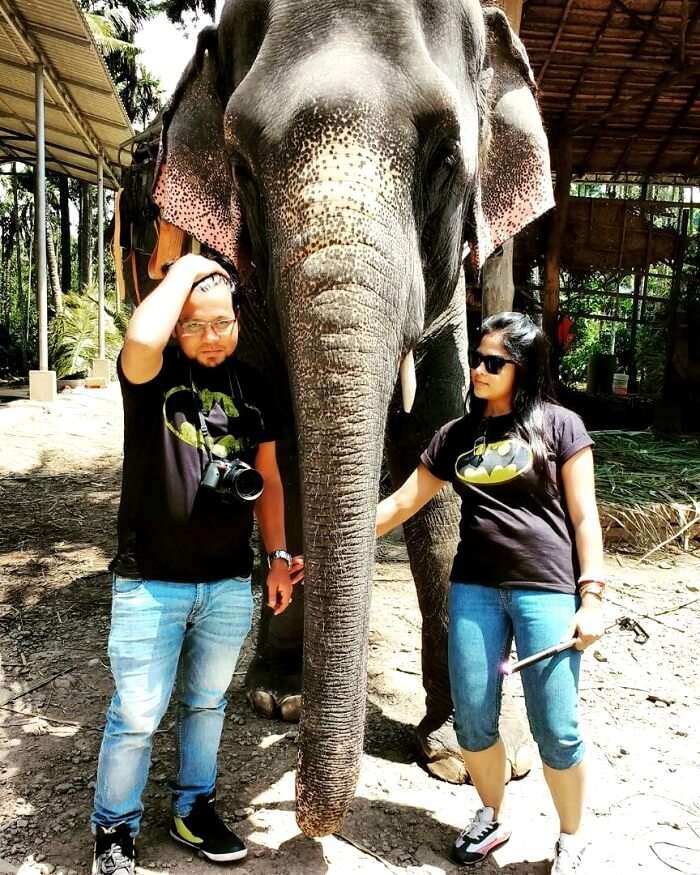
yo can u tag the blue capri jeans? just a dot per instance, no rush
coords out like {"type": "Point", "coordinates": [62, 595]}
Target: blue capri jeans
{"type": "Point", "coordinates": [483, 622]}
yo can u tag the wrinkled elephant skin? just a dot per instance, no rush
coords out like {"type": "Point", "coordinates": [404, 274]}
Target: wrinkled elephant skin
{"type": "Point", "coordinates": [346, 154]}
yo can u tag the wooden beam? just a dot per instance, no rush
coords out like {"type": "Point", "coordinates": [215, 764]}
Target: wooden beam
{"type": "Point", "coordinates": [650, 27]}
{"type": "Point", "coordinates": [680, 117]}
{"type": "Point", "coordinates": [557, 223]}
{"type": "Point", "coordinates": [555, 41]}
{"type": "Point", "coordinates": [622, 82]}
{"type": "Point", "coordinates": [591, 56]}
{"type": "Point", "coordinates": [594, 60]}
{"type": "Point", "coordinates": [667, 81]}
{"type": "Point", "coordinates": [677, 122]}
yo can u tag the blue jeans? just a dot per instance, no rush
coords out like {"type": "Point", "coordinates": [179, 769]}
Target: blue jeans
{"type": "Point", "coordinates": [483, 621]}
{"type": "Point", "coordinates": [163, 632]}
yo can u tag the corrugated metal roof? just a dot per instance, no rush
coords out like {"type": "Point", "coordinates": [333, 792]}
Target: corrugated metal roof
{"type": "Point", "coordinates": [84, 114]}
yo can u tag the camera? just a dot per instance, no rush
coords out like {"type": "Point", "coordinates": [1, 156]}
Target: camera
{"type": "Point", "coordinates": [233, 480]}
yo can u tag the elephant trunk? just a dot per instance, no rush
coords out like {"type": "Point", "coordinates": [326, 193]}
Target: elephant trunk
{"type": "Point", "coordinates": [341, 399]}
{"type": "Point", "coordinates": [344, 346]}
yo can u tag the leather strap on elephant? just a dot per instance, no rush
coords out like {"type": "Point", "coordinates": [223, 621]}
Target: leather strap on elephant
{"type": "Point", "coordinates": [169, 247]}
{"type": "Point", "coordinates": [117, 248]}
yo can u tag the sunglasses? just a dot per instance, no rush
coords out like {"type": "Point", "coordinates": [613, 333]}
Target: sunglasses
{"type": "Point", "coordinates": [494, 364]}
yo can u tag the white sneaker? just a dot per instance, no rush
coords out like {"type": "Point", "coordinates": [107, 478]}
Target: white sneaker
{"type": "Point", "coordinates": [483, 835]}
{"type": "Point", "coordinates": [568, 856]}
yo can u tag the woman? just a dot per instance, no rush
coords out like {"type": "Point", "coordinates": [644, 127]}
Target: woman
{"type": "Point", "coordinates": [529, 565]}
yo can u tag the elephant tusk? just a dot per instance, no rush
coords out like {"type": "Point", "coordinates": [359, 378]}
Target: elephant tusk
{"type": "Point", "coordinates": [408, 381]}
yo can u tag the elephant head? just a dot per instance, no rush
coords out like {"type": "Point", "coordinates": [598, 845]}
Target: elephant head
{"type": "Point", "coordinates": [347, 155]}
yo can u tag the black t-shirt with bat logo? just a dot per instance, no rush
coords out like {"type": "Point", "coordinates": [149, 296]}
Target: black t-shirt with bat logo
{"type": "Point", "coordinates": [514, 529]}
{"type": "Point", "coordinates": [169, 527]}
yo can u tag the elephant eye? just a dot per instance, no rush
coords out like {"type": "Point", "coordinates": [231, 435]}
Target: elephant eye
{"type": "Point", "coordinates": [241, 170]}
{"type": "Point", "coordinates": [446, 158]}
{"type": "Point", "coordinates": [451, 154]}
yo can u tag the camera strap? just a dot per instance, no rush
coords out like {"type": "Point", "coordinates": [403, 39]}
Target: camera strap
{"type": "Point", "coordinates": [236, 398]}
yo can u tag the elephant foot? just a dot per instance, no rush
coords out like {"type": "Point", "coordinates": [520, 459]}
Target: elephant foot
{"type": "Point", "coordinates": [273, 690]}
{"type": "Point", "coordinates": [440, 754]}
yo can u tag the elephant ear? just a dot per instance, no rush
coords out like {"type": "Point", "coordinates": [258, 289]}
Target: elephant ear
{"type": "Point", "coordinates": [515, 182]}
{"type": "Point", "coordinates": [193, 185]}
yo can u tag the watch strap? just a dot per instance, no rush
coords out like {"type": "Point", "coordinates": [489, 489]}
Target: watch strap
{"type": "Point", "coordinates": [279, 554]}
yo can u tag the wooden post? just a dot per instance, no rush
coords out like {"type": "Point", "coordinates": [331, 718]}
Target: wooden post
{"type": "Point", "coordinates": [514, 12]}
{"type": "Point", "coordinates": [562, 161]}
{"type": "Point", "coordinates": [639, 277]}
{"type": "Point", "coordinates": [674, 301]}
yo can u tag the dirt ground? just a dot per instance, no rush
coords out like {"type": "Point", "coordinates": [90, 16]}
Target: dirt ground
{"type": "Point", "coordinates": [59, 482]}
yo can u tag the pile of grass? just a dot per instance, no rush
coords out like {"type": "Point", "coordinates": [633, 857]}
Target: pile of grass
{"type": "Point", "coordinates": [648, 489]}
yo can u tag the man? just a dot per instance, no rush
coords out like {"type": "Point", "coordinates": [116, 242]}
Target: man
{"type": "Point", "coordinates": [181, 605]}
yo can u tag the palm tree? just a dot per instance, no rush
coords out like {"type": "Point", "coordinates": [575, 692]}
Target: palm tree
{"type": "Point", "coordinates": [175, 9]}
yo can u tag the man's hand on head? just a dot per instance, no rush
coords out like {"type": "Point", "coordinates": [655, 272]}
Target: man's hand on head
{"type": "Point", "coordinates": [154, 320]}
{"type": "Point", "coordinates": [197, 268]}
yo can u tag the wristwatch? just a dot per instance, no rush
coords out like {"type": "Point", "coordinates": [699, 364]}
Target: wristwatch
{"type": "Point", "coordinates": [279, 554]}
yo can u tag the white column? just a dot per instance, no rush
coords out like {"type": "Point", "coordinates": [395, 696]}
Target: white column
{"type": "Point", "coordinates": [101, 365]}
{"type": "Point", "coordinates": [100, 258]}
{"type": "Point", "coordinates": [42, 383]}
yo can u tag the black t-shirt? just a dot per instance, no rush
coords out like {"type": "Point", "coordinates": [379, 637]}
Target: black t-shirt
{"type": "Point", "coordinates": [514, 531]}
{"type": "Point", "coordinates": [170, 528]}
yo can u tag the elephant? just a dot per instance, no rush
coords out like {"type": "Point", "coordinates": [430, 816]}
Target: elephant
{"type": "Point", "coordinates": [348, 156]}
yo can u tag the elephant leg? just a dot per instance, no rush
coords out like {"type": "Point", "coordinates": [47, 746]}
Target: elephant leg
{"type": "Point", "coordinates": [431, 536]}
{"type": "Point", "coordinates": [431, 540]}
{"type": "Point", "coordinates": [273, 679]}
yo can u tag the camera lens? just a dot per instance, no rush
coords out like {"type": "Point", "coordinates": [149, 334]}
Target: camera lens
{"type": "Point", "coordinates": [248, 484]}
{"type": "Point", "coordinates": [241, 481]}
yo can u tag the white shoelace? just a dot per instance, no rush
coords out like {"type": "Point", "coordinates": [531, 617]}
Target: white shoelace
{"type": "Point", "coordinates": [478, 828]}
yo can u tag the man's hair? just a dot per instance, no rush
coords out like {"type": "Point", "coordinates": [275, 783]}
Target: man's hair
{"type": "Point", "coordinates": [216, 279]}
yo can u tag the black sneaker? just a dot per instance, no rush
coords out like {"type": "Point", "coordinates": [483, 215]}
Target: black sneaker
{"type": "Point", "coordinates": [114, 851]}
{"type": "Point", "coordinates": [479, 839]}
{"type": "Point", "coordinates": [205, 832]}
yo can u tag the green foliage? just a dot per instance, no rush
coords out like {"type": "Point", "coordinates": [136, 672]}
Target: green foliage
{"type": "Point", "coordinates": [575, 360]}
{"type": "Point", "coordinates": [73, 335]}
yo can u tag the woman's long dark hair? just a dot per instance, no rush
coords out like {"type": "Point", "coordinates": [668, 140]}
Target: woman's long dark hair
{"type": "Point", "coordinates": [528, 346]}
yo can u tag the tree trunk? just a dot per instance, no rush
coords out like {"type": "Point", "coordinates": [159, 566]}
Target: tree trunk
{"type": "Point", "coordinates": [64, 200]}
{"type": "Point", "coordinates": [18, 238]}
{"type": "Point", "coordinates": [52, 265]}
{"type": "Point", "coordinates": [84, 235]}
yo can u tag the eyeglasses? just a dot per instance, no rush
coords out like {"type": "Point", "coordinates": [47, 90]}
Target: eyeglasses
{"type": "Point", "coordinates": [220, 327]}
{"type": "Point", "coordinates": [494, 364]}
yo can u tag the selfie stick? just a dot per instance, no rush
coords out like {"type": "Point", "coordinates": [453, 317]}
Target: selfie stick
{"type": "Point", "coordinates": [512, 667]}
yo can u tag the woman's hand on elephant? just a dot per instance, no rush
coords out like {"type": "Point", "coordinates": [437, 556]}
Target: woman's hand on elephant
{"type": "Point", "coordinates": [587, 626]}
{"type": "Point", "coordinates": [296, 569]}
{"type": "Point", "coordinates": [279, 587]}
